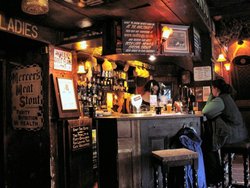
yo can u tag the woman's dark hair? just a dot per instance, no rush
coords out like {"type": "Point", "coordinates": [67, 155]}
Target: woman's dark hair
{"type": "Point", "coordinates": [222, 86]}
{"type": "Point", "coordinates": [147, 86]}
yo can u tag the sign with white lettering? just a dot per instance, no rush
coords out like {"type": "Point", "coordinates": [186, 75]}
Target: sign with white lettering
{"type": "Point", "coordinates": [26, 29]}
{"type": "Point", "coordinates": [139, 37]}
{"type": "Point", "coordinates": [27, 98]}
{"type": "Point", "coordinates": [80, 137]}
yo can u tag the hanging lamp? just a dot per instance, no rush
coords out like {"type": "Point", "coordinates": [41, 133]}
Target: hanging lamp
{"type": "Point", "coordinates": [227, 66]}
{"type": "Point", "coordinates": [221, 58]}
{"type": "Point", "coordinates": [35, 7]}
{"type": "Point", "coordinates": [166, 32]}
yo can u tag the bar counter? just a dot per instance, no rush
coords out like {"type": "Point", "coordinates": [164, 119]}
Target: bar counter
{"type": "Point", "coordinates": [125, 142]}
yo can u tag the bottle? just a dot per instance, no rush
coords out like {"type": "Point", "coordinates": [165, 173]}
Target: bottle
{"type": "Point", "coordinates": [152, 98]}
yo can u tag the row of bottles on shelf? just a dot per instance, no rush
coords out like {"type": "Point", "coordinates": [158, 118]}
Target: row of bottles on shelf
{"type": "Point", "coordinates": [92, 92]}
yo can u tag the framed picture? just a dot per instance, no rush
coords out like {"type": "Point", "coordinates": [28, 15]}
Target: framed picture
{"type": "Point", "coordinates": [202, 73]}
{"type": "Point", "coordinates": [178, 41]}
{"type": "Point", "coordinates": [66, 97]}
{"type": "Point", "coordinates": [62, 60]}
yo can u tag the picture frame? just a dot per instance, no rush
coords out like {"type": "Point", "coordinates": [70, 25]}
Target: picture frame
{"type": "Point", "coordinates": [178, 41]}
{"type": "Point", "coordinates": [66, 97]}
{"type": "Point", "coordinates": [63, 60]}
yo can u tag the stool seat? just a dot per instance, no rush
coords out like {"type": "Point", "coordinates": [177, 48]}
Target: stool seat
{"type": "Point", "coordinates": [240, 148]}
{"type": "Point", "coordinates": [171, 158]}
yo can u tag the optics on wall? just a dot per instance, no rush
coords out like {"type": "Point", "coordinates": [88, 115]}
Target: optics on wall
{"type": "Point", "coordinates": [227, 66]}
{"type": "Point", "coordinates": [35, 7]}
{"type": "Point", "coordinates": [166, 32]}
{"type": "Point", "coordinates": [221, 58]}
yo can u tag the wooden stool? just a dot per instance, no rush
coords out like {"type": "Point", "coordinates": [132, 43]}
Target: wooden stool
{"type": "Point", "coordinates": [240, 148]}
{"type": "Point", "coordinates": [172, 158]}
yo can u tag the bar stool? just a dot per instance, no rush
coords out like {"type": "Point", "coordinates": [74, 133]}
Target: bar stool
{"type": "Point", "coordinates": [240, 148]}
{"type": "Point", "coordinates": [172, 158]}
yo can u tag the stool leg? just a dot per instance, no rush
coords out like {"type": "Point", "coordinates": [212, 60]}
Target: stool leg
{"type": "Point", "coordinates": [185, 176]}
{"type": "Point", "coordinates": [164, 171]}
{"type": "Point", "coordinates": [246, 171]}
{"type": "Point", "coordinates": [223, 162]}
{"type": "Point", "coordinates": [229, 169]}
{"type": "Point", "coordinates": [156, 176]}
{"type": "Point", "coordinates": [195, 177]}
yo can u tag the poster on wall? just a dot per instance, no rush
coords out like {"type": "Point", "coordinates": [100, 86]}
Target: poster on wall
{"type": "Point", "coordinates": [202, 73]}
{"type": "Point", "coordinates": [26, 97]}
{"type": "Point", "coordinates": [62, 60]}
{"type": "Point", "coordinates": [67, 94]}
{"type": "Point", "coordinates": [66, 97]}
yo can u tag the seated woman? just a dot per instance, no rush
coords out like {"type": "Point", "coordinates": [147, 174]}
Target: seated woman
{"type": "Point", "coordinates": [224, 125]}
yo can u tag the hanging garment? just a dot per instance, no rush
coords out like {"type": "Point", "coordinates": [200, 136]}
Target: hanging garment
{"type": "Point", "coordinates": [188, 138]}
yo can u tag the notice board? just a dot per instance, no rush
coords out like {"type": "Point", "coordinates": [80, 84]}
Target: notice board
{"type": "Point", "coordinates": [80, 137]}
{"type": "Point", "coordinates": [139, 37]}
{"type": "Point", "coordinates": [202, 73]}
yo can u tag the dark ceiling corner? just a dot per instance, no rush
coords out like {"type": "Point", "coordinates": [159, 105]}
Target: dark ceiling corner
{"type": "Point", "coordinates": [231, 18]}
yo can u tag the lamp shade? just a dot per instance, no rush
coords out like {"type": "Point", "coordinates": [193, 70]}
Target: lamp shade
{"type": "Point", "coordinates": [81, 69]}
{"type": "Point", "coordinates": [221, 58]}
{"type": "Point", "coordinates": [227, 66]}
{"type": "Point", "coordinates": [166, 32]}
{"type": "Point", "coordinates": [35, 7]}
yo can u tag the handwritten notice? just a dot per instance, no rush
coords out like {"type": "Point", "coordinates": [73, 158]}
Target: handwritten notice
{"type": "Point", "coordinates": [202, 73]}
{"type": "Point", "coordinates": [80, 137]}
{"type": "Point", "coordinates": [139, 37]}
{"type": "Point", "coordinates": [27, 98]}
{"type": "Point", "coordinates": [62, 60]}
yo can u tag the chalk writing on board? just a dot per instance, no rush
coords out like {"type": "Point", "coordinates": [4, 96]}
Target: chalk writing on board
{"type": "Point", "coordinates": [80, 137]}
{"type": "Point", "coordinates": [139, 37]}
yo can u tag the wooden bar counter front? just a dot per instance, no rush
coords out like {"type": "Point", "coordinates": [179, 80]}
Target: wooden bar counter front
{"type": "Point", "coordinates": [125, 142]}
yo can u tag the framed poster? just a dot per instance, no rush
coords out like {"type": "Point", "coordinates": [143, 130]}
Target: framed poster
{"type": "Point", "coordinates": [66, 97]}
{"type": "Point", "coordinates": [178, 41]}
{"type": "Point", "coordinates": [202, 73]}
{"type": "Point", "coordinates": [62, 60]}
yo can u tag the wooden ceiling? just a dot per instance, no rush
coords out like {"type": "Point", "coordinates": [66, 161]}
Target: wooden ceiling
{"type": "Point", "coordinates": [66, 15]}
{"type": "Point", "coordinates": [232, 17]}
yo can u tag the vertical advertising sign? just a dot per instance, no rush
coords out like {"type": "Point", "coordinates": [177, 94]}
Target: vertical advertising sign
{"type": "Point", "coordinates": [27, 98]}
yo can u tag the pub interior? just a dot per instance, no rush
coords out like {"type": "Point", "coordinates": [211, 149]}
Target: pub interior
{"type": "Point", "coordinates": [73, 74]}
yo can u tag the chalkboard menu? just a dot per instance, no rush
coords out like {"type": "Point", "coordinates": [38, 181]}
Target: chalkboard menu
{"type": "Point", "coordinates": [139, 37]}
{"type": "Point", "coordinates": [80, 137]}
